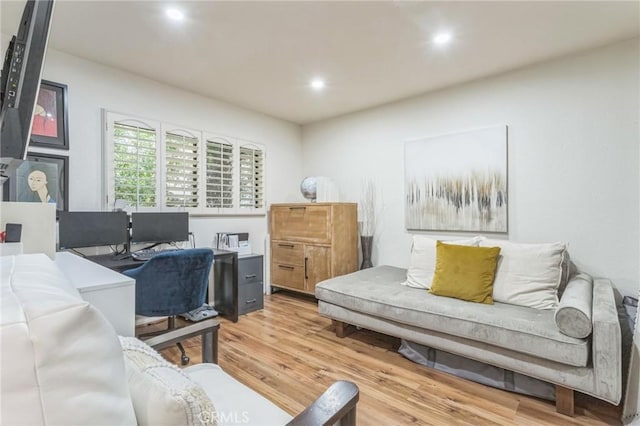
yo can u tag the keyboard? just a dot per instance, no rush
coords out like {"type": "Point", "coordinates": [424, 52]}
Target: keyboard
{"type": "Point", "coordinates": [146, 254]}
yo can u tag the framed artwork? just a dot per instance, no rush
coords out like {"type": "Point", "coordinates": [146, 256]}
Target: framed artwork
{"type": "Point", "coordinates": [50, 126]}
{"type": "Point", "coordinates": [457, 182]}
{"type": "Point", "coordinates": [57, 185]}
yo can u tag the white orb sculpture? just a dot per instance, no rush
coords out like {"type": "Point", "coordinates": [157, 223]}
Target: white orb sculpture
{"type": "Point", "coordinates": [309, 187]}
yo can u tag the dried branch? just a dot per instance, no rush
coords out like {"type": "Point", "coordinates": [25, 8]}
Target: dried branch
{"type": "Point", "coordinates": [367, 208]}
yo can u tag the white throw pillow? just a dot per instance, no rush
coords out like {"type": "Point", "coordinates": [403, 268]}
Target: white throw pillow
{"type": "Point", "coordinates": [422, 264]}
{"type": "Point", "coordinates": [528, 274]}
{"type": "Point", "coordinates": [161, 393]}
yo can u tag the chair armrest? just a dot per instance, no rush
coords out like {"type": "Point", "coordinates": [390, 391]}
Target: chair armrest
{"type": "Point", "coordinates": [607, 342]}
{"type": "Point", "coordinates": [336, 404]}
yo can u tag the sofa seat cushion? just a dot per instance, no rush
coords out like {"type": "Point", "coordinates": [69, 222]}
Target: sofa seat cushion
{"type": "Point", "coordinates": [235, 403]}
{"type": "Point", "coordinates": [61, 360]}
{"type": "Point", "coordinates": [379, 292]}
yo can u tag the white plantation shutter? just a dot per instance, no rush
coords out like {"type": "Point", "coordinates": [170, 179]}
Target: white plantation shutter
{"type": "Point", "coordinates": [155, 166]}
{"type": "Point", "coordinates": [134, 163]}
{"type": "Point", "coordinates": [251, 185]}
{"type": "Point", "coordinates": [181, 149]}
{"type": "Point", "coordinates": [219, 166]}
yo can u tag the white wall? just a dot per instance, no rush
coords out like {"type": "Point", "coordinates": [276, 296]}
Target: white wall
{"type": "Point", "coordinates": [573, 155]}
{"type": "Point", "coordinates": [93, 86]}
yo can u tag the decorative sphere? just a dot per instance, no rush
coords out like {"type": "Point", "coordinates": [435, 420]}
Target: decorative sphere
{"type": "Point", "coordinates": [308, 187]}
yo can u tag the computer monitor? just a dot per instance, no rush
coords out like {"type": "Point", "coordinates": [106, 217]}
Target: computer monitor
{"type": "Point", "coordinates": [159, 227]}
{"type": "Point", "coordinates": [93, 229]}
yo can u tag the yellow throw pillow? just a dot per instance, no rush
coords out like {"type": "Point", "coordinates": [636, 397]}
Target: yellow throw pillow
{"type": "Point", "coordinates": [465, 272]}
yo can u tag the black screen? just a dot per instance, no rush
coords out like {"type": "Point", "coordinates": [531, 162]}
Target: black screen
{"type": "Point", "coordinates": [20, 80]}
{"type": "Point", "coordinates": [159, 227]}
{"type": "Point", "coordinates": [92, 229]}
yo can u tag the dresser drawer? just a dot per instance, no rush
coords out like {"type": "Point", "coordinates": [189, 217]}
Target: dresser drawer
{"type": "Point", "coordinates": [287, 275]}
{"type": "Point", "coordinates": [304, 222]}
{"type": "Point", "coordinates": [249, 270]}
{"type": "Point", "coordinates": [250, 298]}
{"type": "Point", "coordinates": [287, 253]}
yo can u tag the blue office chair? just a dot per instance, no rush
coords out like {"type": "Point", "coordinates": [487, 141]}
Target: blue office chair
{"type": "Point", "coordinates": [171, 284]}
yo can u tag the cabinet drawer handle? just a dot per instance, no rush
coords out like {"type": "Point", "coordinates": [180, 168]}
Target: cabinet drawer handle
{"type": "Point", "coordinates": [248, 277]}
{"type": "Point", "coordinates": [306, 277]}
{"type": "Point", "coordinates": [291, 268]}
{"type": "Point", "coordinates": [251, 301]}
{"type": "Point", "coordinates": [298, 208]}
{"type": "Point", "coordinates": [285, 245]}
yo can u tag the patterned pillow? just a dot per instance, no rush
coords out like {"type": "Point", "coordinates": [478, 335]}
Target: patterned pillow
{"type": "Point", "coordinates": [161, 393]}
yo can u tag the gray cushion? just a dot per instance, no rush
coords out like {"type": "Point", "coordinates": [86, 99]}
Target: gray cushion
{"type": "Point", "coordinates": [573, 315]}
{"type": "Point", "coordinates": [378, 291]}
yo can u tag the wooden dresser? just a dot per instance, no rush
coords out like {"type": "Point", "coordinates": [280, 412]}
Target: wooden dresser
{"type": "Point", "coordinates": [311, 243]}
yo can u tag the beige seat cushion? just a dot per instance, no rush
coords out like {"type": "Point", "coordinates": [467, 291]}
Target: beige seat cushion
{"type": "Point", "coordinates": [379, 292]}
{"type": "Point", "coordinates": [236, 404]}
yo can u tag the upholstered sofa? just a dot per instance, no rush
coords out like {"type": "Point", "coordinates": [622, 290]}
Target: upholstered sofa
{"type": "Point", "coordinates": [63, 364]}
{"type": "Point", "coordinates": [517, 338]}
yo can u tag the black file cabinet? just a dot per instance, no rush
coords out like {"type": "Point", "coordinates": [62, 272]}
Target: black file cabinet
{"type": "Point", "coordinates": [250, 283]}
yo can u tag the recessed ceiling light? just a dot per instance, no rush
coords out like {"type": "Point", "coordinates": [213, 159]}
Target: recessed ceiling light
{"type": "Point", "coordinates": [442, 38]}
{"type": "Point", "coordinates": [175, 14]}
{"type": "Point", "coordinates": [317, 84]}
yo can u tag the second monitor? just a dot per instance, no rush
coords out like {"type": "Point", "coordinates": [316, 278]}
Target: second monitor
{"type": "Point", "coordinates": [159, 227]}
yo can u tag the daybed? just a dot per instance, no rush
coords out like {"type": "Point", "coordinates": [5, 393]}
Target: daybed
{"type": "Point", "coordinates": [516, 338]}
{"type": "Point", "coordinates": [62, 364]}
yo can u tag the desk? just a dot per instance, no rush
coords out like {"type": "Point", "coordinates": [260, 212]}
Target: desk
{"type": "Point", "coordinates": [225, 278]}
{"type": "Point", "coordinates": [111, 293]}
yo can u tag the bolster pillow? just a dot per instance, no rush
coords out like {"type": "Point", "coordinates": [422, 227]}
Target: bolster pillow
{"type": "Point", "coordinates": [573, 315]}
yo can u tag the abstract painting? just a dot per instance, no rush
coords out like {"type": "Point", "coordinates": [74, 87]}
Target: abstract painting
{"type": "Point", "coordinates": [457, 182]}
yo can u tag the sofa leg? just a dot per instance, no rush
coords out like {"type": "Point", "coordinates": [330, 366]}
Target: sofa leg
{"type": "Point", "coordinates": [564, 400]}
{"type": "Point", "coordinates": [343, 329]}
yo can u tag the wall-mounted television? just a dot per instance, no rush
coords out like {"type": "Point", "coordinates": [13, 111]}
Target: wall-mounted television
{"type": "Point", "coordinates": [20, 78]}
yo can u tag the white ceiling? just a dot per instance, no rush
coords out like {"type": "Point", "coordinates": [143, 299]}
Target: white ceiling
{"type": "Point", "coordinates": [261, 55]}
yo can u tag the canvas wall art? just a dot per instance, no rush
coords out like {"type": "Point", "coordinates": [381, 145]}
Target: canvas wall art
{"type": "Point", "coordinates": [457, 182]}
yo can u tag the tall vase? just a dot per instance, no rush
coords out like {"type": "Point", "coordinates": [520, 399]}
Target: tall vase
{"type": "Point", "coordinates": [366, 242]}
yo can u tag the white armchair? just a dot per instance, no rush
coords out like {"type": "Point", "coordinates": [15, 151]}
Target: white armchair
{"type": "Point", "coordinates": [62, 363]}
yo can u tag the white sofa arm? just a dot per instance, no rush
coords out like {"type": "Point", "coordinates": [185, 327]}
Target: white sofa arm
{"type": "Point", "coordinates": [607, 342]}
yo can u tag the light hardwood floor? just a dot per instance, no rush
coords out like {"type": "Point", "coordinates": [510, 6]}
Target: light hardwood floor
{"type": "Point", "coordinates": [290, 354]}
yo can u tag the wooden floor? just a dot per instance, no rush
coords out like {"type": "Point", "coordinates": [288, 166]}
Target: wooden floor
{"type": "Point", "coordinates": [289, 354]}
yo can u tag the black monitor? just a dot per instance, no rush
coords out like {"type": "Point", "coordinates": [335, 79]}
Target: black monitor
{"type": "Point", "coordinates": [159, 227]}
{"type": "Point", "coordinates": [93, 229]}
{"type": "Point", "coordinates": [20, 78]}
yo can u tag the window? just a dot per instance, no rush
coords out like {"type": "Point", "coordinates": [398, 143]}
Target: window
{"type": "Point", "coordinates": [219, 173]}
{"type": "Point", "coordinates": [251, 177]}
{"type": "Point", "coordinates": [133, 176]}
{"type": "Point", "coordinates": [153, 166]}
{"type": "Point", "coordinates": [181, 168]}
